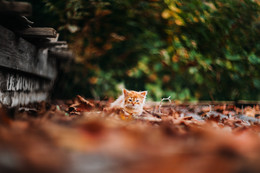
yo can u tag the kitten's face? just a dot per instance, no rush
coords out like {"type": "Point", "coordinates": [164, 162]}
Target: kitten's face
{"type": "Point", "coordinates": [133, 99]}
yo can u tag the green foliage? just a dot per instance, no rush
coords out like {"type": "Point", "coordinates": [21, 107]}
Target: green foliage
{"type": "Point", "coordinates": [191, 50]}
{"type": "Point", "coordinates": [216, 45]}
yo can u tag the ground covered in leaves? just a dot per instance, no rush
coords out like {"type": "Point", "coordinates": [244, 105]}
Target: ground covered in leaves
{"type": "Point", "coordinates": [78, 136]}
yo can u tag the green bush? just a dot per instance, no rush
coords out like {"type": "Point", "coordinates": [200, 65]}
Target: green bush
{"type": "Point", "coordinates": [214, 49]}
{"type": "Point", "coordinates": [191, 50]}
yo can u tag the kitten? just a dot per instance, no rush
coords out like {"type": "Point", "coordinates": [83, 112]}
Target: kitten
{"type": "Point", "coordinates": [131, 102]}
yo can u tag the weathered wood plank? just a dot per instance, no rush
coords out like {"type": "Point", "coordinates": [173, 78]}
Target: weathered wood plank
{"type": "Point", "coordinates": [18, 54]}
{"type": "Point", "coordinates": [17, 88]}
{"type": "Point", "coordinates": [12, 99]}
{"type": "Point", "coordinates": [38, 33]}
{"type": "Point", "coordinates": [21, 8]}
{"type": "Point", "coordinates": [61, 54]}
{"type": "Point", "coordinates": [11, 81]}
{"type": "Point", "coordinates": [53, 44]}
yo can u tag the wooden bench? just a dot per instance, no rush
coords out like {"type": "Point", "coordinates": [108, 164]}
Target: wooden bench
{"type": "Point", "coordinates": [28, 56]}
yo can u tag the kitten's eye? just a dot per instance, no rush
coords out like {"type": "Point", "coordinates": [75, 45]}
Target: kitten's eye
{"type": "Point", "coordinates": [129, 100]}
{"type": "Point", "coordinates": [137, 100]}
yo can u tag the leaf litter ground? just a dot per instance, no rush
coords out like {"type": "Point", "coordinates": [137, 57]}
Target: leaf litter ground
{"type": "Point", "coordinates": [78, 136]}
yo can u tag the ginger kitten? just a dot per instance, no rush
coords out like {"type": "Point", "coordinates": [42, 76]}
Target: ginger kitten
{"type": "Point", "coordinates": [131, 102]}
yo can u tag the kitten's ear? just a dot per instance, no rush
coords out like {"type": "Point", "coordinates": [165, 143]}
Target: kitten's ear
{"type": "Point", "coordinates": [143, 93]}
{"type": "Point", "coordinates": [125, 92]}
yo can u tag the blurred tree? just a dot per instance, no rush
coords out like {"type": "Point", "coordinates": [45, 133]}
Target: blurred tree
{"type": "Point", "coordinates": [213, 43]}
{"type": "Point", "coordinates": [187, 49]}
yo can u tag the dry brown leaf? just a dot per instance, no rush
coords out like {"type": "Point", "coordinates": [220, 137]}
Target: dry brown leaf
{"type": "Point", "coordinates": [82, 105]}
